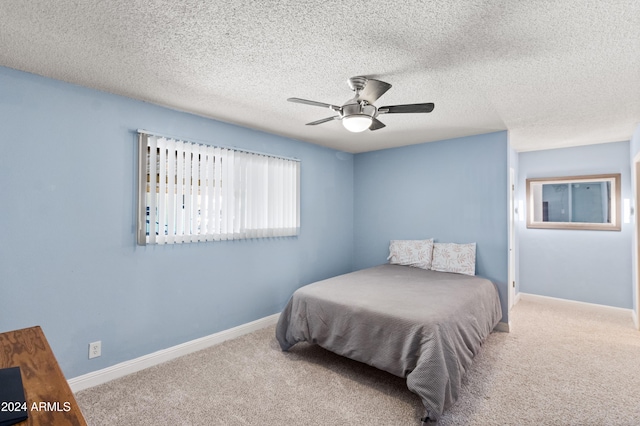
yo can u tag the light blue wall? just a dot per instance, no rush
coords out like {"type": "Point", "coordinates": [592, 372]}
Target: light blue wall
{"type": "Point", "coordinates": [635, 150]}
{"type": "Point", "coordinates": [68, 259]}
{"type": "Point", "coordinates": [453, 191]}
{"type": "Point", "coordinates": [587, 266]}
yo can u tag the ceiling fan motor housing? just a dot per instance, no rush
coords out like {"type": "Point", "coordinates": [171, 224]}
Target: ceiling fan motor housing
{"type": "Point", "coordinates": [357, 83]}
{"type": "Point", "coordinates": [359, 108]}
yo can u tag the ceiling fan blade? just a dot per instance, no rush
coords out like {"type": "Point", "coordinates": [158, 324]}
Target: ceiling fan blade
{"type": "Point", "coordinates": [403, 109]}
{"type": "Point", "coordinates": [376, 124]}
{"type": "Point", "coordinates": [324, 120]}
{"type": "Point", "coordinates": [373, 89]}
{"type": "Point", "coordinates": [314, 103]}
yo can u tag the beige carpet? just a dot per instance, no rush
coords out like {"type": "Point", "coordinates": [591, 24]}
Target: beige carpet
{"type": "Point", "coordinates": [562, 364]}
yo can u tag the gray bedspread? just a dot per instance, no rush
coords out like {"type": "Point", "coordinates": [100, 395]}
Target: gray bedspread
{"type": "Point", "coordinates": [419, 324]}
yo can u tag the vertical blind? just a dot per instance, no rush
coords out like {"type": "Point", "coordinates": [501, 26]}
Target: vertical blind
{"type": "Point", "coordinates": [190, 192]}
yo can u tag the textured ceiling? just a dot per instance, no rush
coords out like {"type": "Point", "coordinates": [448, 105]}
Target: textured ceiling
{"type": "Point", "coordinates": [554, 73]}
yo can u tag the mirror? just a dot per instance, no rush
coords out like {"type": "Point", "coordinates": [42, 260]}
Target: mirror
{"type": "Point", "coordinates": [574, 202]}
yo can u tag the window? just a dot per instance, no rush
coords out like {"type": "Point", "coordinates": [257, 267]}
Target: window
{"type": "Point", "coordinates": [191, 192]}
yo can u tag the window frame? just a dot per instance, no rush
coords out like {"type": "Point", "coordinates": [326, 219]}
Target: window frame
{"type": "Point", "coordinates": [242, 209]}
{"type": "Point", "coordinates": [614, 204]}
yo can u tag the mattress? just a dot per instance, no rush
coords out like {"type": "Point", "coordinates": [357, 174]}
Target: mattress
{"type": "Point", "coordinates": [423, 325]}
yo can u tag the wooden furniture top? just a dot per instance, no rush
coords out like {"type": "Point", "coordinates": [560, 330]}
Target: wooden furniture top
{"type": "Point", "coordinates": [49, 397]}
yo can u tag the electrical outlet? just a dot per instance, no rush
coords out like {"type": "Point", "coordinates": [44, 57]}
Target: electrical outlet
{"type": "Point", "coordinates": [95, 349]}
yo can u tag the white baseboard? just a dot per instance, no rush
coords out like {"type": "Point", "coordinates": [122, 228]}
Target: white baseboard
{"type": "Point", "coordinates": [505, 327]}
{"type": "Point", "coordinates": [122, 369]}
{"type": "Point", "coordinates": [596, 305]}
{"type": "Point", "coordinates": [516, 299]}
{"type": "Point", "coordinates": [634, 314]}
{"type": "Point", "coordinates": [502, 326]}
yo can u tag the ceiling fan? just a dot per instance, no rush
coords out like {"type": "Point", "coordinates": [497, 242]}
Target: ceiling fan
{"type": "Point", "coordinates": [359, 114]}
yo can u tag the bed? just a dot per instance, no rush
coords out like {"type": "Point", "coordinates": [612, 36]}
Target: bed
{"type": "Point", "coordinates": [422, 325]}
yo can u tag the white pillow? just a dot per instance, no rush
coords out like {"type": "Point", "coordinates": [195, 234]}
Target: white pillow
{"type": "Point", "coordinates": [416, 253]}
{"type": "Point", "coordinates": [451, 257]}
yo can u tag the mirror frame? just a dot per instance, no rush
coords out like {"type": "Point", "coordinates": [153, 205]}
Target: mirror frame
{"type": "Point", "coordinates": [614, 178]}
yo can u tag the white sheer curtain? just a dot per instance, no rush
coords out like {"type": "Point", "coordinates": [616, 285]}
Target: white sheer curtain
{"type": "Point", "coordinates": [192, 192]}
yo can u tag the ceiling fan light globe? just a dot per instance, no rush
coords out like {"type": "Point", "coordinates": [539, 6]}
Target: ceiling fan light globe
{"type": "Point", "coordinates": [357, 123]}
